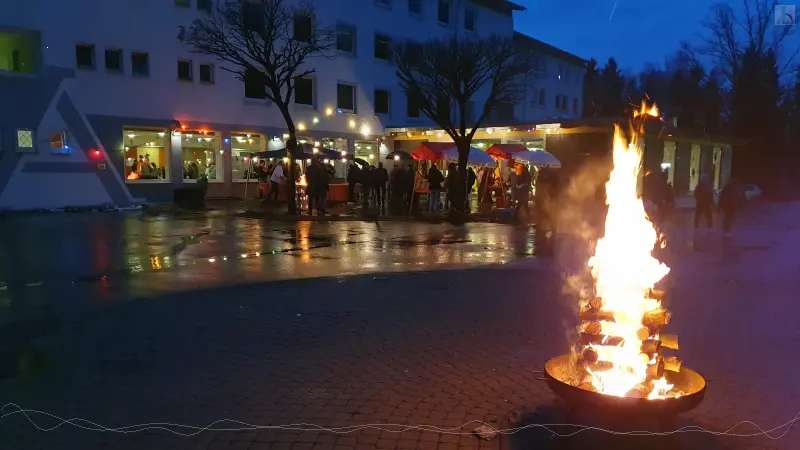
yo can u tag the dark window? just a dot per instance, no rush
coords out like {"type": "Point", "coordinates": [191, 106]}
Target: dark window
{"type": "Point", "coordinates": [302, 28]}
{"type": "Point", "coordinates": [469, 20]}
{"type": "Point", "coordinates": [254, 84]}
{"type": "Point", "coordinates": [206, 73]}
{"type": "Point", "coordinates": [504, 112]}
{"type": "Point", "coordinates": [383, 47]}
{"type": "Point", "coordinates": [381, 101]}
{"type": "Point", "coordinates": [414, 54]}
{"type": "Point", "coordinates": [415, 6]}
{"type": "Point", "coordinates": [185, 70]}
{"type": "Point", "coordinates": [204, 5]}
{"type": "Point", "coordinates": [253, 15]}
{"type": "Point", "coordinates": [413, 106]}
{"type": "Point", "coordinates": [184, 3]}
{"type": "Point", "coordinates": [574, 106]}
{"type": "Point", "coordinates": [346, 97]}
{"type": "Point", "coordinates": [304, 91]}
{"type": "Point", "coordinates": [84, 56]}
{"type": "Point", "coordinates": [444, 11]}
{"type": "Point", "coordinates": [140, 63]}
{"type": "Point", "coordinates": [542, 97]}
{"type": "Point", "coordinates": [113, 60]}
{"type": "Point", "coordinates": [346, 38]}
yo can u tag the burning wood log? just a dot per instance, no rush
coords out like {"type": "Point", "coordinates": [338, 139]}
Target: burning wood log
{"type": "Point", "coordinates": [590, 355]}
{"type": "Point", "coordinates": [655, 294]}
{"type": "Point", "coordinates": [593, 328]}
{"type": "Point", "coordinates": [640, 390]}
{"type": "Point", "coordinates": [651, 346]}
{"type": "Point", "coordinates": [669, 341]}
{"type": "Point", "coordinates": [600, 339]}
{"type": "Point", "coordinates": [591, 315]}
{"type": "Point", "coordinates": [596, 303]}
{"type": "Point", "coordinates": [643, 333]}
{"type": "Point", "coordinates": [672, 363]}
{"type": "Point", "coordinates": [587, 387]}
{"type": "Point", "coordinates": [656, 371]}
{"type": "Point", "coordinates": [656, 319]}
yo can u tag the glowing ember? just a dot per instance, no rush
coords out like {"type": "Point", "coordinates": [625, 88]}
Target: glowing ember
{"type": "Point", "coordinates": [621, 346]}
{"type": "Point", "coordinates": [302, 181]}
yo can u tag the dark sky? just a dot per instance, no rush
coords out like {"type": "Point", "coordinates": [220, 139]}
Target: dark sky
{"type": "Point", "coordinates": [639, 31]}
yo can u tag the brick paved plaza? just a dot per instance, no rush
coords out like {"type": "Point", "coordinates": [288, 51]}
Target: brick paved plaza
{"type": "Point", "coordinates": [438, 349]}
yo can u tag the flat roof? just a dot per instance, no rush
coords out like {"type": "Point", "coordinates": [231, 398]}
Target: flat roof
{"type": "Point", "coordinates": [541, 46]}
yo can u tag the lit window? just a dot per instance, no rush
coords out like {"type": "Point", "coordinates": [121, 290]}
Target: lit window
{"type": "Point", "coordinates": [25, 141]}
{"type": "Point", "coordinates": [346, 97]}
{"type": "Point", "coordinates": [145, 154]}
{"type": "Point", "coordinates": [84, 56]}
{"type": "Point", "coordinates": [21, 56]}
{"type": "Point", "coordinates": [200, 156]}
{"type": "Point", "coordinates": [346, 38]}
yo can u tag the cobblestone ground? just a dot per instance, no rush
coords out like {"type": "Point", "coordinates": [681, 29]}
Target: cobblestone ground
{"type": "Point", "coordinates": [438, 349]}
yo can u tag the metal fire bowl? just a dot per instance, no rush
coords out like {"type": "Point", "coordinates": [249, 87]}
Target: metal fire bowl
{"type": "Point", "coordinates": [563, 368]}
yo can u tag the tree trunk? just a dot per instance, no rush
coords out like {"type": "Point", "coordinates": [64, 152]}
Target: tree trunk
{"type": "Point", "coordinates": [291, 149]}
{"type": "Point", "coordinates": [458, 194]}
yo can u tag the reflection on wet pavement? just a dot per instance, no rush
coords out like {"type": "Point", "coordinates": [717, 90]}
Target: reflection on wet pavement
{"type": "Point", "coordinates": [135, 255]}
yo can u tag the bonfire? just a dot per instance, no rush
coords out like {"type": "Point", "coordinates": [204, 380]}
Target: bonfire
{"type": "Point", "coordinates": [621, 349]}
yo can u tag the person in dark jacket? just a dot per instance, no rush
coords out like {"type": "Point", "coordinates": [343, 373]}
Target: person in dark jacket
{"type": "Point", "coordinates": [704, 202]}
{"type": "Point", "coordinates": [435, 180]}
{"type": "Point", "coordinates": [729, 201]}
{"type": "Point", "coordinates": [523, 189]}
{"type": "Point", "coordinates": [472, 177]}
{"type": "Point", "coordinates": [353, 175]}
{"type": "Point", "coordinates": [381, 178]}
{"type": "Point", "coordinates": [453, 185]}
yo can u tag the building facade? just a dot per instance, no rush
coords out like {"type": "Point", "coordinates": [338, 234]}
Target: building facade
{"type": "Point", "coordinates": [93, 88]}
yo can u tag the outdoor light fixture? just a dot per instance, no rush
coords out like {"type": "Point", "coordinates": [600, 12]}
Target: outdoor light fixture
{"type": "Point", "coordinates": [397, 157]}
{"type": "Point", "coordinates": [131, 135]}
{"type": "Point", "coordinates": [329, 111]}
{"type": "Point", "coordinates": [366, 130]}
{"type": "Point", "coordinates": [301, 126]}
{"type": "Point", "coordinates": [489, 130]}
{"type": "Point", "coordinates": [315, 120]}
{"type": "Point", "coordinates": [352, 123]}
{"type": "Point", "coordinates": [371, 156]}
{"type": "Point", "coordinates": [315, 150]}
{"type": "Point", "coordinates": [161, 134]}
{"type": "Point", "coordinates": [344, 153]}
{"type": "Point", "coordinates": [317, 143]}
{"type": "Point", "coordinates": [285, 159]}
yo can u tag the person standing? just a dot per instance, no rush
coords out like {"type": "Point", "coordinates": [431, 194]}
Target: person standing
{"type": "Point", "coordinates": [471, 178]}
{"type": "Point", "coordinates": [453, 186]}
{"type": "Point", "coordinates": [704, 202]}
{"type": "Point", "coordinates": [275, 182]}
{"type": "Point", "coordinates": [381, 179]}
{"type": "Point", "coordinates": [435, 179]}
{"type": "Point", "coordinates": [729, 200]}
{"type": "Point", "coordinates": [353, 175]}
{"type": "Point", "coordinates": [523, 189]}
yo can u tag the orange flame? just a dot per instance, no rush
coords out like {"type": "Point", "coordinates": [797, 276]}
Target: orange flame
{"type": "Point", "coordinates": [624, 271]}
{"type": "Point", "coordinates": [645, 111]}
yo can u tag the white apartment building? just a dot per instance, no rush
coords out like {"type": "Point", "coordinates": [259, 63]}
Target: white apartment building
{"type": "Point", "coordinates": [92, 86]}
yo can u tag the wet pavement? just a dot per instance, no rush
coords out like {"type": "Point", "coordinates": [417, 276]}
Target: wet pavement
{"type": "Point", "coordinates": [428, 351]}
{"type": "Point", "coordinates": [136, 254]}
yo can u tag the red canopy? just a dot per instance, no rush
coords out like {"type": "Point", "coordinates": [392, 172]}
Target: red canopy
{"type": "Point", "coordinates": [505, 151]}
{"type": "Point", "coordinates": [432, 151]}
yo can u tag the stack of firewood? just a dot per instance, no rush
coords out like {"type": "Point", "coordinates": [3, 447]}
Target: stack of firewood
{"type": "Point", "coordinates": [653, 342]}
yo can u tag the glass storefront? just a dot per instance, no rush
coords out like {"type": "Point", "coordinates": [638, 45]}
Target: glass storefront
{"type": "Point", "coordinates": [242, 146]}
{"type": "Point", "coordinates": [201, 153]}
{"type": "Point", "coordinates": [368, 151]}
{"type": "Point", "coordinates": [146, 154]}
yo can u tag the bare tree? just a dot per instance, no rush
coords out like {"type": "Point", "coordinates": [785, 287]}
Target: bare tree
{"type": "Point", "coordinates": [729, 34]}
{"type": "Point", "coordinates": [447, 77]}
{"type": "Point", "coordinates": [270, 41]}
